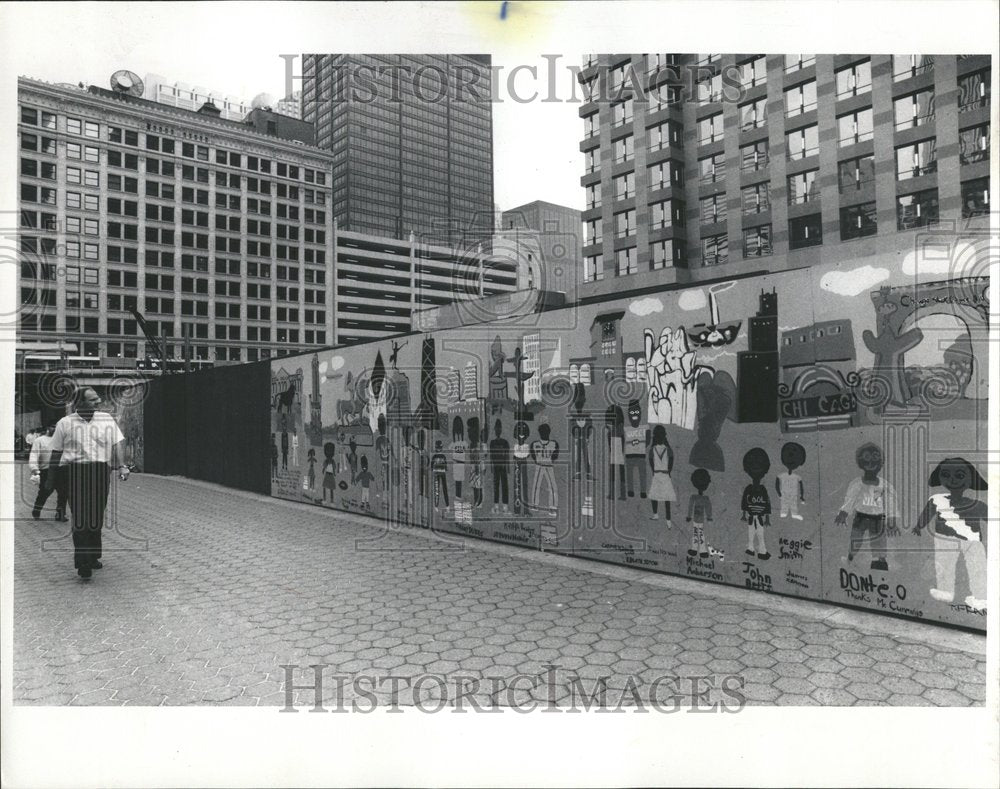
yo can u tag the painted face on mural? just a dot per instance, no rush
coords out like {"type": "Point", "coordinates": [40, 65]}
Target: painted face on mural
{"type": "Point", "coordinates": [869, 458]}
{"type": "Point", "coordinates": [634, 413]}
{"type": "Point", "coordinates": [521, 431]}
{"type": "Point", "coordinates": [756, 463]}
{"type": "Point", "coordinates": [954, 477]}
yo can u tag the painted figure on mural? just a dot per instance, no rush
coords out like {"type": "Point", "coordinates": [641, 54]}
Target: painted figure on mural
{"type": "Point", "coordinates": [521, 453]}
{"type": "Point", "coordinates": [789, 486]}
{"type": "Point", "coordinates": [352, 460]}
{"type": "Point", "coordinates": [499, 464]}
{"type": "Point", "coordinates": [458, 450]}
{"type": "Point", "coordinates": [406, 461]}
{"type": "Point", "coordinates": [311, 475]}
{"type": "Point", "coordinates": [714, 405]}
{"type": "Point", "coordinates": [756, 503]}
{"type": "Point", "coordinates": [295, 446]}
{"type": "Point", "coordinates": [544, 452]}
{"type": "Point", "coordinates": [636, 449]}
{"type": "Point", "coordinates": [423, 465]}
{"type": "Point", "coordinates": [274, 457]}
{"type": "Point", "coordinates": [329, 471]}
{"type": "Point", "coordinates": [872, 501]}
{"type": "Point", "coordinates": [439, 472]}
{"type": "Point", "coordinates": [284, 448]}
{"type": "Point", "coordinates": [958, 525]}
{"type": "Point", "coordinates": [670, 371]}
{"type": "Point", "coordinates": [498, 378]}
{"type": "Point", "coordinates": [475, 463]}
{"type": "Point", "coordinates": [699, 512]}
{"type": "Point", "coordinates": [365, 478]}
{"type": "Point", "coordinates": [383, 450]}
{"type": "Point", "coordinates": [614, 432]}
{"type": "Point", "coordinates": [581, 433]}
{"type": "Point", "coordinates": [661, 461]}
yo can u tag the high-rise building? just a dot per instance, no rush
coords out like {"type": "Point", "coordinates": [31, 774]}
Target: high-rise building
{"type": "Point", "coordinates": [547, 241]}
{"type": "Point", "coordinates": [773, 161]}
{"type": "Point", "coordinates": [290, 105]}
{"type": "Point", "coordinates": [187, 97]}
{"type": "Point", "coordinates": [206, 226]}
{"type": "Point", "coordinates": [412, 140]}
{"type": "Point", "coordinates": [470, 381]}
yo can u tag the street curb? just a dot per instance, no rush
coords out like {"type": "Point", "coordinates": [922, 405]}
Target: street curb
{"type": "Point", "coordinates": [829, 613]}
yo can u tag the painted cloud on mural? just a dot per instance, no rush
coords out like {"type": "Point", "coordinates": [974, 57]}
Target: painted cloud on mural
{"type": "Point", "coordinates": [645, 306]}
{"type": "Point", "coordinates": [692, 300]}
{"type": "Point", "coordinates": [853, 282]}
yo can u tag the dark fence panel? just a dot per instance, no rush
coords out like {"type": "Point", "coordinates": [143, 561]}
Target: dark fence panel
{"type": "Point", "coordinates": [212, 425]}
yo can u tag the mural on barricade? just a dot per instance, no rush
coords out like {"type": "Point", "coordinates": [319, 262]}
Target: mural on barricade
{"type": "Point", "coordinates": [821, 435]}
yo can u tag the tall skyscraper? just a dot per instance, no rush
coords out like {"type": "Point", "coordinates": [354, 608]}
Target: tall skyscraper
{"type": "Point", "coordinates": [710, 166]}
{"type": "Point", "coordinates": [412, 138]}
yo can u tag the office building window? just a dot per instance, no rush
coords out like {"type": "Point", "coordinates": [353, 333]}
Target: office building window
{"type": "Point", "coordinates": [913, 161]}
{"type": "Point", "coordinates": [917, 210]}
{"type": "Point", "coordinates": [666, 254]}
{"type": "Point", "coordinates": [666, 174]}
{"type": "Point", "coordinates": [974, 91]}
{"type": "Point", "coordinates": [624, 148]}
{"type": "Point", "coordinates": [621, 112]}
{"type": "Point", "coordinates": [624, 186]}
{"type": "Point", "coordinates": [666, 214]}
{"type": "Point", "coordinates": [710, 129]}
{"type": "Point", "coordinates": [906, 66]}
{"type": "Point", "coordinates": [753, 72]}
{"type": "Point", "coordinates": [914, 110]}
{"type": "Point", "coordinates": [800, 99]}
{"type": "Point", "coordinates": [625, 223]}
{"type": "Point", "coordinates": [797, 62]}
{"type": "Point", "coordinates": [663, 135]}
{"type": "Point", "coordinates": [756, 199]}
{"type": "Point", "coordinates": [709, 90]}
{"type": "Point", "coordinates": [706, 60]}
{"type": "Point", "coordinates": [593, 268]}
{"type": "Point", "coordinates": [713, 209]}
{"type": "Point", "coordinates": [753, 114]}
{"type": "Point", "coordinates": [74, 126]}
{"type": "Point", "coordinates": [974, 144]}
{"type": "Point", "coordinates": [593, 196]}
{"type": "Point", "coordinates": [802, 143]}
{"type": "Point", "coordinates": [592, 231]}
{"type": "Point", "coordinates": [757, 241]}
{"type": "Point", "coordinates": [625, 262]}
{"type": "Point", "coordinates": [855, 127]}
{"type": "Point", "coordinates": [593, 160]}
{"type": "Point", "coordinates": [754, 157]}
{"type": "Point", "coordinates": [854, 174]}
{"type": "Point", "coordinates": [805, 231]}
{"type": "Point", "coordinates": [658, 62]}
{"type": "Point", "coordinates": [857, 221]}
{"type": "Point", "coordinates": [854, 80]}
{"type": "Point", "coordinates": [591, 125]}
{"type": "Point", "coordinates": [712, 168]}
{"type": "Point", "coordinates": [715, 250]}
{"type": "Point", "coordinates": [975, 197]}
{"type": "Point", "coordinates": [803, 187]}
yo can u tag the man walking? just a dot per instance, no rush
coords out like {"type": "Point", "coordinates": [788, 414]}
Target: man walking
{"type": "Point", "coordinates": [84, 444]}
{"type": "Point", "coordinates": [39, 462]}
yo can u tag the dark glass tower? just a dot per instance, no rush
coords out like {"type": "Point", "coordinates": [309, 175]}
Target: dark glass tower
{"type": "Point", "coordinates": [412, 137]}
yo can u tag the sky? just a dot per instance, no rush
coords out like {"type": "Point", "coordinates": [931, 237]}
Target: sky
{"type": "Point", "coordinates": [235, 49]}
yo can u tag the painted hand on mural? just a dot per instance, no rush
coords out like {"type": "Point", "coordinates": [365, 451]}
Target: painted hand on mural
{"type": "Point", "coordinates": [671, 374]}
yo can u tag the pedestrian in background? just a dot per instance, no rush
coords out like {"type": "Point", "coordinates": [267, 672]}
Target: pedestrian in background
{"type": "Point", "coordinates": [39, 462]}
{"type": "Point", "coordinates": [86, 445]}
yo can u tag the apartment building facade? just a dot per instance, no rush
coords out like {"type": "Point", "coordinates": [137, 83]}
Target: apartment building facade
{"type": "Point", "coordinates": [710, 166]}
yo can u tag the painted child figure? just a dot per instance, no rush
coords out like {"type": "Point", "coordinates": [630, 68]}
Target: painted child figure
{"type": "Point", "coordinates": [661, 462]}
{"type": "Point", "coordinates": [699, 512]}
{"type": "Point", "coordinates": [872, 502]}
{"type": "Point", "coordinates": [439, 473]}
{"type": "Point", "coordinates": [958, 524]}
{"type": "Point", "coordinates": [311, 476]}
{"type": "Point", "coordinates": [756, 503]}
{"type": "Point", "coordinates": [789, 485]}
{"type": "Point", "coordinates": [365, 478]}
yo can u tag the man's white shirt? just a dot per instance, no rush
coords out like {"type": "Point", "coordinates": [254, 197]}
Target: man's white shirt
{"type": "Point", "coordinates": [83, 441]}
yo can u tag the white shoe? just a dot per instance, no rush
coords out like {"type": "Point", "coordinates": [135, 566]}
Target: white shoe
{"type": "Point", "coordinates": [974, 603]}
{"type": "Point", "coordinates": [797, 517]}
{"type": "Point", "coordinates": [944, 597]}
{"type": "Point", "coordinates": [655, 516]}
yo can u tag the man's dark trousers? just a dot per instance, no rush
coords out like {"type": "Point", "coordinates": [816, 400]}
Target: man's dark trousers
{"type": "Point", "coordinates": [88, 497]}
{"type": "Point", "coordinates": [58, 478]}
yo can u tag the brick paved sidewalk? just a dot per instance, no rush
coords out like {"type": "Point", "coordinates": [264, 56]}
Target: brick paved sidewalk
{"type": "Point", "coordinates": [206, 593]}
